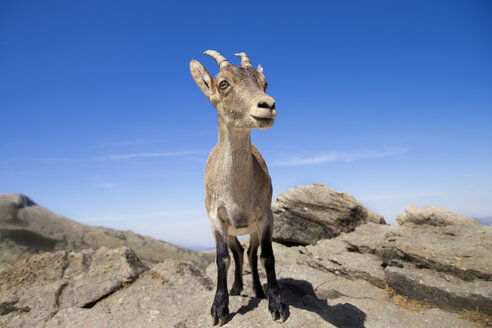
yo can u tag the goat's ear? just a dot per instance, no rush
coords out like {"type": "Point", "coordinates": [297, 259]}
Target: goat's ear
{"type": "Point", "coordinates": [202, 78]}
{"type": "Point", "coordinates": [260, 69]}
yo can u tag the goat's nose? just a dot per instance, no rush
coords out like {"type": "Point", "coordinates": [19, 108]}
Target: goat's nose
{"type": "Point", "coordinates": [264, 104]}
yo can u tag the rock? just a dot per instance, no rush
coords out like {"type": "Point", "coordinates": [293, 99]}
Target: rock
{"type": "Point", "coordinates": [53, 289]}
{"type": "Point", "coordinates": [432, 255]}
{"type": "Point", "coordinates": [107, 271]}
{"type": "Point", "coordinates": [27, 228]}
{"type": "Point", "coordinates": [336, 256]}
{"type": "Point", "coordinates": [354, 255]}
{"type": "Point", "coordinates": [462, 250]}
{"type": "Point", "coordinates": [375, 218]}
{"type": "Point", "coordinates": [308, 213]}
{"type": "Point", "coordinates": [441, 289]}
{"type": "Point", "coordinates": [432, 215]}
{"type": "Point", "coordinates": [9, 208]}
{"type": "Point", "coordinates": [321, 298]}
{"type": "Point", "coordinates": [444, 259]}
{"type": "Point", "coordinates": [422, 272]}
{"type": "Point", "coordinates": [367, 238]}
{"type": "Point", "coordinates": [43, 284]}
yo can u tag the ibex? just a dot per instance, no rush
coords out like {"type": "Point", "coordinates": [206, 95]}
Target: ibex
{"type": "Point", "coordinates": [238, 189]}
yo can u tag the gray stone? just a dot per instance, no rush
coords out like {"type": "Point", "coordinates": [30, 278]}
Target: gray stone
{"type": "Point", "coordinates": [354, 255]}
{"type": "Point", "coordinates": [447, 264]}
{"type": "Point", "coordinates": [31, 292]}
{"type": "Point", "coordinates": [321, 298]}
{"type": "Point", "coordinates": [93, 275]}
{"type": "Point", "coordinates": [335, 256]}
{"type": "Point", "coordinates": [463, 250]}
{"type": "Point", "coordinates": [178, 294]}
{"type": "Point", "coordinates": [308, 213]}
{"type": "Point", "coordinates": [443, 290]}
{"type": "Point", "coordinates": [367, 238]}
{"type": "Point", "coordinates": [432, 215]}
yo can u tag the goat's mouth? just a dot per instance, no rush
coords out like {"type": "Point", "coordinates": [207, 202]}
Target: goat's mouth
{"type": "Point", "coordinates": [263, 119]}
{"type": "Point", "coordinates": [262, 122]}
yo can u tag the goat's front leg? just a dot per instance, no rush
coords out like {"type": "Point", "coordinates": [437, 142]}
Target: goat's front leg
{"type": "Point", "coordinates": [220, 306]}
{"type": "Point", "coordinates": [276, 304]}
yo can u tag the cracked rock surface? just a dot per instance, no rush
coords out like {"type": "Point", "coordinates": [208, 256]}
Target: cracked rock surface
{"type": "Point", "coordinates": [178, 294]}
{"type": "Point", "coordinates": [32, 292]}
{"type": "Point", "coordinates": [446, 265]}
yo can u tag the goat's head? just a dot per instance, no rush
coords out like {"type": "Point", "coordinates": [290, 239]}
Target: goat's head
{"type": "Point", "coordinates": [237, 92]}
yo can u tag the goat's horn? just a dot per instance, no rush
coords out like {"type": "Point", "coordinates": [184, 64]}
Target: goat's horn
{"type": "Point", "coordinates": [221, 60]}
{"type": "Point", "coordinates": [245, 62]}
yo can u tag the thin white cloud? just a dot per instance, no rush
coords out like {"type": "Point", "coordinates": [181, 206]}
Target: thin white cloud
{"type": "Point", "coordinates": [133, 142]}
{"type": "Point", "coordinates": [141, 215]}
{"type": "Point", "coordinates": [336, 156]}
{"type": "Point", "coordinates": [401, 196]}
{"type": "Point", "coordinates": [117, 157]}
{"type": "Point", "coordinates": [103, 185]}
{"type": "Point", "coordinates": [129, 156]}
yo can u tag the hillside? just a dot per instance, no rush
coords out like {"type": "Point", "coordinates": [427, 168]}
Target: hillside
{"type": "Point", "coordinates": [27, 229]}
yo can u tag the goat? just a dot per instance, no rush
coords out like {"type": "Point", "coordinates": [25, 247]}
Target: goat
{"type": "Point", "coordinates": [238, 189]}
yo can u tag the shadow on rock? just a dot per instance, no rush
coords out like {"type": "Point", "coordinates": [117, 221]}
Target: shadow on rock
{"type": "Point", "coordinates": [300, 294]}
{"type": "Point", "coordinates": [252, 304]}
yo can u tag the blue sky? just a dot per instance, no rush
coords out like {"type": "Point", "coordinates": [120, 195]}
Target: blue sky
{"type": "Point", "coordinates": [101, 121]}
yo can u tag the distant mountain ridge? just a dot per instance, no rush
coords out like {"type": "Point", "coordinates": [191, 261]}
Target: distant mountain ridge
{"type": "Point", "coordinates": [486, 220]}
{"type": "Point", "coordinates": [27, 228]}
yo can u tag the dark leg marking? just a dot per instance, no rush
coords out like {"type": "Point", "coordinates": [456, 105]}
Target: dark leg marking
{"type": "Point", "coordinates": [220, 306]}
{"type": "Point", "coordinates": [253, 263]}
{"type": "Point", "coordinates": [276, 305]}
{"type": "Point", "coordinates": [237, 253]}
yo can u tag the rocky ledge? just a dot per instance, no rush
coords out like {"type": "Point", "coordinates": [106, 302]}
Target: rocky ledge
{"type": "Point", "coordinates": [432, 269]}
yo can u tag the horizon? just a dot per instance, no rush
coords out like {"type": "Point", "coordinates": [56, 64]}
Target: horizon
{"type": "Point", "coordinates": [200, 247]}
{"type": "Point", "coordinates": [103, 123]}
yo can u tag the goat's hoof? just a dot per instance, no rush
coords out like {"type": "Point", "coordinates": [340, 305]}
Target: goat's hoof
{"type": "Point", "coordinates": [220, 310]}
{"type": "Point", "coordinates": [236, 290]}
{"type": "Point", "coordinates": [276, 306]}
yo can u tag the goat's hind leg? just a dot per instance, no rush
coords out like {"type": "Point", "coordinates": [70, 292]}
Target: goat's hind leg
{"type": "Point", "coordinates": [237, 253]}
{"type": "Point", "coordinates": [220, 306]}
{"type": "Point", "coordinates": [253, 264]}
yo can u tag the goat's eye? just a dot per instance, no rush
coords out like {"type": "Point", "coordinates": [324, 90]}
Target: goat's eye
{"type": "Point", "coordinates": [223, 85]}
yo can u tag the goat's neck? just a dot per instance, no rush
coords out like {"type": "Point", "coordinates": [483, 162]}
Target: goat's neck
{"type": "Point", "coordinates": [235, 153]}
